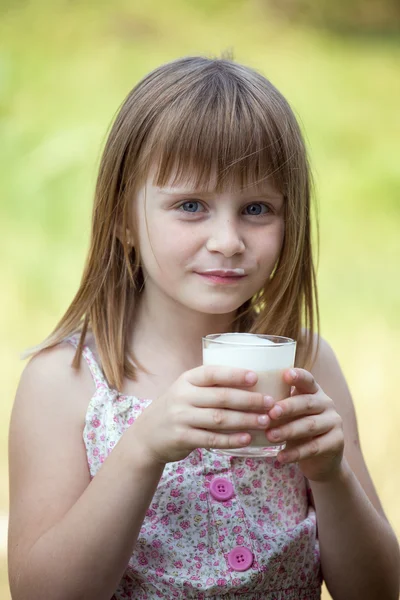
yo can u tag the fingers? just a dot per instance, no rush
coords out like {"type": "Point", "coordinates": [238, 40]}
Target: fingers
{"type": "Point", "coordinates": [297, 405]}
{"type": "Point", "coordinates": [211, 375]}
{"type": "Point", "coordinates": [220, 419]}
{"type": "Point", "coordinates": [302, 380]}
{"type": "Point", "coordinates": [209, 439]}
{"type": "Point", "coordinates": [307, 427]}
{"type": "Point", "coordinates": [231, 398]}
{"type": "Point", "coordinates": [329, 444]}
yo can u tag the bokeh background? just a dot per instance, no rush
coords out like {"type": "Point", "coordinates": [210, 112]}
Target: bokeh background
{"type": "Point", "coordinates": [65, 67]}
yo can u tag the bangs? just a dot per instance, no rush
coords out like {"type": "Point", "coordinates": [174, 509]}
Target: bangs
{"type": "Point", "coordinates": [222, 133]}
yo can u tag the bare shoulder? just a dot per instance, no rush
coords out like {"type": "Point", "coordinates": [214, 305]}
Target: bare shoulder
{"type": "Point", "coordinates": [47, 459]}
{"type": "Point", "coordinates": [50, 372]}
{"type": "Point", "coordinates": [329, 376]}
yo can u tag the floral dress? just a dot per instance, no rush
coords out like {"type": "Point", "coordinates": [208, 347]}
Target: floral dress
{"type": "Point", "coordinates": [218, 527]}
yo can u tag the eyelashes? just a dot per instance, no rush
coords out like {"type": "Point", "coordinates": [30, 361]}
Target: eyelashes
{"type": "Point", "coordinates": [191, 206]}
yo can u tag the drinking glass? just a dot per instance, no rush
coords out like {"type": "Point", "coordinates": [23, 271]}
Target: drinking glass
{"type": "Point", "coordinates": [268, 356]}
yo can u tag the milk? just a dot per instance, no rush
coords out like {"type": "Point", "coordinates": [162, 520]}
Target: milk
{"type": "Point", "coordinates": [268, 358]}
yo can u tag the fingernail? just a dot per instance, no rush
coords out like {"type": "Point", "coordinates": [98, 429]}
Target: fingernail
{"type": "Point", "coordinates": [262, 419]}
{"type": "Point", "coordinates": [278, 412]}
{"type": "Point", "coordinates": [283, 457]}
{"type": "Point", "coordinates": [268, 401]}
{"type": "Point", "coordinates": [293, 373]}
{"type": "Point", "coordinates": [251, 377]}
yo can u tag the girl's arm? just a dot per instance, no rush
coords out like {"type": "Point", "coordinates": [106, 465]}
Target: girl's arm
{"type": "Point", "coordinates": [69, 537]}
{"type": "Point", "coordinates": [359, 551]}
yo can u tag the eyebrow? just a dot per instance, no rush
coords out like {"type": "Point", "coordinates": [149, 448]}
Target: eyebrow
{"type": "Point", "coordinates": [178, 192]}
{"type": "Point", "coordinates": [191, 194]}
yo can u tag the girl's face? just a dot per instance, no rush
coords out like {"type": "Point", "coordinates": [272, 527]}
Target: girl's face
{"type": "Point", "coordinates": [185, 234]}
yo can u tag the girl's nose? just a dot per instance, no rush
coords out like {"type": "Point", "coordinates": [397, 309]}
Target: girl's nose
{"type": "Point", "coordinates": [225, 239]}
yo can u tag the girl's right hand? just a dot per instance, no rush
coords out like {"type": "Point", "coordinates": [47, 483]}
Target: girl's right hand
{"type": "Point", "coordinates": [199, 410]}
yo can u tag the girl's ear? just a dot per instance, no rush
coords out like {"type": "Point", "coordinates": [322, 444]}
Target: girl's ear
{"type": "Point", "coordinates": [128, 236]}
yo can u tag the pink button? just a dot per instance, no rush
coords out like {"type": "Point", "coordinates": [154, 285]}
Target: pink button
{"type": "Point", "coordinates": [221, 489]}
{"type": "Point", "coordinates": [240, 558]}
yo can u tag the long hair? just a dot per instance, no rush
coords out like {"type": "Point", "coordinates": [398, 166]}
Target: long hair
{"type": "Point", "coordinates": [216, 119]}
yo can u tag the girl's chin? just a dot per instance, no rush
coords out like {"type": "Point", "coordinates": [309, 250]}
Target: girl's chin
{"type": "Point", "coordinates": [217, 309]}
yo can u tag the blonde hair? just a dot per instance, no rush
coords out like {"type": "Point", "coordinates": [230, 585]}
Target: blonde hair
{"type": "Point", "coordinates": [214, 118]}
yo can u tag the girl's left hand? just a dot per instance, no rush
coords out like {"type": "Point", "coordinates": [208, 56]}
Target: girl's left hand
{"type": "Point", "coordinates": [311, 427]}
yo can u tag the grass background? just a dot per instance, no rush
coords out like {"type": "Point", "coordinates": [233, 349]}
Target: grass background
{"type": "Point", "coordinates": [65, 68]}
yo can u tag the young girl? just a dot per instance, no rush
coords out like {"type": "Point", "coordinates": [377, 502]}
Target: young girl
{"type": "Point", "coordinates": [201, 225]}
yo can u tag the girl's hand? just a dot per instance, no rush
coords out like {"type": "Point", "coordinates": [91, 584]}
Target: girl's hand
{"type": "Point", "coordinates": [311, 427]}
{"type": "Point", "coordinates": [203, 409]}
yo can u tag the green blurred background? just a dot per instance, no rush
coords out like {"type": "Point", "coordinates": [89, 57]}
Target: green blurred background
{"type": "Point", "coordinates": [65, 67]}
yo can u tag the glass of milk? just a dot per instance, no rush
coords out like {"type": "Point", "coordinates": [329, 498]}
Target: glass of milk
{"type": "Point", "coordinates": [269, 356]}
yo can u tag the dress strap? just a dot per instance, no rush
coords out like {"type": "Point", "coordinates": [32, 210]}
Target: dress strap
{"type": "Point", "coordinates": [94, 367]}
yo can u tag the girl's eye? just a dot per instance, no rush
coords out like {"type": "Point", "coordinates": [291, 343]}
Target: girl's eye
{"type": "Point", "coordinates": [191, 206]}
{"type": "Point", "coordinates": [256, 209]}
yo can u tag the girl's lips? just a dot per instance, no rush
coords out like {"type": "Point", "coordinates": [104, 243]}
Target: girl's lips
{"type": "Point", "coordinates": [224, 272]}
{"type": "Point", "coordinates": [222, 279]}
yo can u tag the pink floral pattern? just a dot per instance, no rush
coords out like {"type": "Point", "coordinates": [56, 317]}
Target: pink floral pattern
{"type": "Point", "coordinates": [183, 546]}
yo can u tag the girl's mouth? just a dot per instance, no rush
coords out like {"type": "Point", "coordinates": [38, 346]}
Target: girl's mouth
{"type": "Point", "coordinates": [223, 276]}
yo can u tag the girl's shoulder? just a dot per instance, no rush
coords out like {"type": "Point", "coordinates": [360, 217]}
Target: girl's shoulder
{"type": "Point", "coordinates": [49, 380]}
{"type": "Point", "coordinates": [322, 355]}
{"type": "Point", "coordinates": [318, 346]}
{"type": "Point", "coordinates": [322, 361]}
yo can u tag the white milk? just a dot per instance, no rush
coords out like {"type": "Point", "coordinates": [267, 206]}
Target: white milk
{"type": "Point", "coordinates": [267, 358]}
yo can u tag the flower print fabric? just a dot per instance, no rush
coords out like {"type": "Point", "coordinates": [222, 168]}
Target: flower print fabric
{"type": "Point", "coordinates": [190, 537]}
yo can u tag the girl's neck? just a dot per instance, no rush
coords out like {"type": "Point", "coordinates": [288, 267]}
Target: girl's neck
{"type": "Point", "coordinates": [167, 332]}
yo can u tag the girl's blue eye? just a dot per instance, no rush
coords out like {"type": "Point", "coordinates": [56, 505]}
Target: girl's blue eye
{"type": "Point", "coordinates": [190, 206]}
{"type": "Point", "coordinates": [256, 209]}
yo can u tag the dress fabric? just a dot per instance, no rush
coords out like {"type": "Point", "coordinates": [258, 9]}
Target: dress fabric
{"type": "Point", "coordinates": [191, 536]}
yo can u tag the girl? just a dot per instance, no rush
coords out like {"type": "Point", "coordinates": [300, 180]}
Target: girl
{"type": "Point", "coordinates": [114, 492]}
